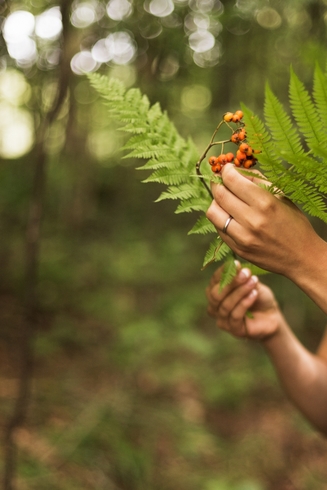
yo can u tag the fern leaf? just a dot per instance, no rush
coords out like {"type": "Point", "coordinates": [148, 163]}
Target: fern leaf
{"type": "Point", "coordinates": [320, 93]}
{"type": "Point", "coordinates": [202, 227]}
{"type": "Point", "coordinates": [280, 125]}
{"type": "Point", "coordinates": [217, 251]}
{"type": "Point", "coordinates": [169, 177]}
{"type": "Point", "coordinates": [193, 204]}
{"type": "Point", "coordinates": [182, 192]}
{"type": "Point", "coordinates": [228, 273]}
{"type": "Point", "coordinates": [305, 113]}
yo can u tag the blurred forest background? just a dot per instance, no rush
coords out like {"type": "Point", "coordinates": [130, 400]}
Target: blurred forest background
{"type": "Point", "coordinates": [112, 375]}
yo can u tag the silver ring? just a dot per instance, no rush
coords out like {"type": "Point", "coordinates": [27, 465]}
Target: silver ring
{"type": "Point", "coordinates": [229, 219]}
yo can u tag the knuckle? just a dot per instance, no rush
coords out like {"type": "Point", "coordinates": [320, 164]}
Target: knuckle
{"type": "Point", "coordinates": [267, 204]}
{"type": "Point", "coordinates": [211, 212]}
{"type": "Point", "coordinates": [245, 241]}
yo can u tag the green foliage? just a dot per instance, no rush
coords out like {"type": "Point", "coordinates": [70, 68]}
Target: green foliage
{"type": "Point", "coordinates": [169, 156]}
{"type": "Point", "coordinates": [293, 145]}
{"type": "Point", "coordinates": [293, 156]}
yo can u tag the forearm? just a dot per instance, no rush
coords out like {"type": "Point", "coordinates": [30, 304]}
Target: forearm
{"type": "Point", "coordinates": [302, 374]}
{"type": "Point", "coordinates": [310, 273]}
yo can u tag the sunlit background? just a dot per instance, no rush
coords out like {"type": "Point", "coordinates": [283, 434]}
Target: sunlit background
{"type": "Point", "coordinates": [134, 389]}
{"type": "Point", "coordinates": [119, 33]}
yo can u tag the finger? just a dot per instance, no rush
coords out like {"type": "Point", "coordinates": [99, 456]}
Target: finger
{"type": "Point", "coordinates": [218, 216]}
{"type": "Point", "coordinates": [216, 296]}
{"type": "Point", "coordinates": [230, 302]}
{"type": "Point", "coordinates": [238, 320]}
{"type": "Point", "coordinates": [216, 276]}
{"type": "Point", "coordinates": [258, 178]}
{"type": "Point", "coordinates": [242, 188]}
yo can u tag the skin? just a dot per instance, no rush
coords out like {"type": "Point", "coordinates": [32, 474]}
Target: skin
{"type": "Point", "coordinates": [274, 234]}
{"type": "Point", "coordinates": [302, 374]}
{"type": "Point", "coordinates": [270, 232]}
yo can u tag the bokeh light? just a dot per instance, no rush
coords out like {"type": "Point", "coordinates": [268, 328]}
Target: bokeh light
{"type": "Point", "coordinates": [48, 24]}
{"type": "Point", "coordinates": [268, 18]}
{"type": "Point", "coordinates": [85, 14]}
{"type": "Point", "coordinates": [16, 131]}
{"type": "Point", "coordinates": [119, 9]}
{"type": "Point", "coordinates": [195, 98]}
{"type": "Point", "coordinates": [18, 26]}
{"type": "Point", "coordinates": [160, 8]}
{"type": "Point", "coordinates": [119, 47]}
{"type": "Point", "coordinates": [201, 41]}
{"type": "Point", "coordinates": [83, 62]}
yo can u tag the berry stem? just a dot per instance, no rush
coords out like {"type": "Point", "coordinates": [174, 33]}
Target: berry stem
{"type": "Point", "coordinates": [204, 154]}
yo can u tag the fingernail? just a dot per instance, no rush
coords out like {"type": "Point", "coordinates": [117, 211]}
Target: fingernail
{"type": "Point", "coordinates": [244, 274]}
{"type": "Point", "coordinates": [254, 280]}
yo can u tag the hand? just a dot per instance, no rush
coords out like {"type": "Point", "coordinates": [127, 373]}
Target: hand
{"type": "Point", "coordinates": [245, 294]}
{"type": "Point", "coordinates": [268, 231]}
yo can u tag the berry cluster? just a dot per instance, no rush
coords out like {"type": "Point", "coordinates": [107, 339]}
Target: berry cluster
{"type": "Point", "coordinates": [244, 156]}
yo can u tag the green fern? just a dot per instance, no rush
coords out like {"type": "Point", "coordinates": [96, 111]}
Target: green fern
{"type": "Point", "coordinates": [293, 159]}
{"type": "Point", "coordinates": [169, 157]}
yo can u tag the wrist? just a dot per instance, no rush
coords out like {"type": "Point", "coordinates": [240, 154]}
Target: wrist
{"type": "Point", "coordinates": [278, 327]}
{"type": "Point", "coordinates": [310, 272]}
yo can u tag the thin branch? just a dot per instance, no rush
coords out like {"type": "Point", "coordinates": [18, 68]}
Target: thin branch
{"type": "Point", "coordinates": [33, 238]}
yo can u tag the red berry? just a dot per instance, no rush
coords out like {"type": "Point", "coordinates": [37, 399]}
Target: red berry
{"type": "Point", "coordinates": [212, 160]}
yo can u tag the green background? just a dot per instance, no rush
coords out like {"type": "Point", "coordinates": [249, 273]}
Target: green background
{"type": "Point", "coordinates": [133, 387]}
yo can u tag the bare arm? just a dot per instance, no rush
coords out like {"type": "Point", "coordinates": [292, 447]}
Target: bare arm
{"type": "Point", "coordinates": [302, 374]}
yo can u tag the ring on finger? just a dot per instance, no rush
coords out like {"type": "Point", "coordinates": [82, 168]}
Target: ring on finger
{"type": "Point", "coordinates": [229, 219]}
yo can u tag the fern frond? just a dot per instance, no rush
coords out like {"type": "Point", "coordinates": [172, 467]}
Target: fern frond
{"type": "Point", "coordinates": [193, 204]}
{"type": "Point", "coordinates": [182, 192]}
{"type": "Point", "coordinates": [202, 227]}
{"type": "Point", "coordinates": [259, 138]}
{"type": "Point", "coordinates": [304, 112]}
{"type": "Point", "coordinates": [228, 273]}
{"type": "Point", "coordinates": [320, 93]}
{"type": "Point", "coordinates": [280, 125]}
{"type": "Point", "coordinates": [217, 251]}
{"type": "Point", "coordinates": [168, 177]}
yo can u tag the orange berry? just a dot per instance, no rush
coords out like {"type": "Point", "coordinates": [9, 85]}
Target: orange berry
{"type": "Point", "coordinates": [235, 137]}
{"type": "Point", "coordinates": [222, 159]}
{"type": "Point", "coordinates": [216, 168]}
{"type": "Point", "coordinates": [242, 135]}
{"type": "Point", "coordinates": [249, 163]}
{"type": "Point", "coordinates": [229, 156]}
{"type": "Point", "coordinates": [237, 163]}
{"type": "Point", "coordinates": [236, 118]}
{"type": "Point", "coordinates": [247, 149]}
{"type": "Point", "coordinates": [228, 116]}
{"type": "Point", "coordinates": [243, 147]}
{"type": "Point", "coordinates": [212, 160]}
{"type": "Point", "coordinates": [239, 114]}
{"type": "Point", "coordinates": [240, 155]}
